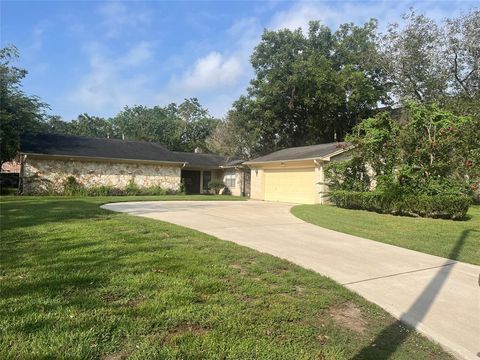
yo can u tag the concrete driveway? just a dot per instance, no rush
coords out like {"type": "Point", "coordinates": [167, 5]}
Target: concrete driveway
{"type": "Point", "coordinates": [439, 297]}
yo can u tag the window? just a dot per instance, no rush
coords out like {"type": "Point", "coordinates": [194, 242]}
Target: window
{"type": "Point", "coordinates": [207, 176]}
{"type": "Point", "coordinates": [230, 179]}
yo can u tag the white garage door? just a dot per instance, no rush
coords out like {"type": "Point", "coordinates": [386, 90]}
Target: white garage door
{"type": "Point", "coordinates": [290, 185]}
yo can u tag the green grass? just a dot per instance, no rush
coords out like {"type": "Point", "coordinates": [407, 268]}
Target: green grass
{"type": "Point", "coordinates": [431, 236]}
{"type": "Point", "coordinates": [80, 282]}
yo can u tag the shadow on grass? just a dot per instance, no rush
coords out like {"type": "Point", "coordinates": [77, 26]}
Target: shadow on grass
{"type": "Point", "coordinates": [392, 337]}
{"type": "Point", "coordinates": [14, 215]}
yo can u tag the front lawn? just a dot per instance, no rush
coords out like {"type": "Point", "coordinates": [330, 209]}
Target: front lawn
{"type": "Point", "coordinates": [80, 282]}
{"type": "Point", "coordinates": [458, 240]}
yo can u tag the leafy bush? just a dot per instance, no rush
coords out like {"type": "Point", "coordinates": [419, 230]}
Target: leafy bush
{"type": "Point", "coordinates": [183, 189]}
{"type": "Point", "coordinates": [226, 191]}
{"type": "Point", "coordinates": [440, 206]}
{"type": "Point", "coordinates": [348, 175]}
{"type": "Point", "coordinates": [430, 152]}
{"type": "Point", "coordinates": [116, 192]}
{"type": "Point", "coordinates": [102, 190]}
{"type": "Point", "coordinates": [72, 187]}
{"type": "Point", "coordinates": [216, 185]}
{"type": "Point", "coordinates": [132, 188]}
{"type": "Point", "coordinates": [152, 190]}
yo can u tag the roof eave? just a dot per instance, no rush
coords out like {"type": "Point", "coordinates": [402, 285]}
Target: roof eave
{"type": "Point", "coordinates": [98, 158]}
{"type": "Point", "coordinates": [322, 158]}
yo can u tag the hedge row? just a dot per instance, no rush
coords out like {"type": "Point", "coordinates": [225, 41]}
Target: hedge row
{"type": "Point", "coordinates": [72, 187]}
{"type": "Point", "coordinates": [440, 206]}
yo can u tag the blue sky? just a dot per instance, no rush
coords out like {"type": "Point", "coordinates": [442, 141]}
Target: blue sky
{"type": "Point", "coordinates": [97, 57]}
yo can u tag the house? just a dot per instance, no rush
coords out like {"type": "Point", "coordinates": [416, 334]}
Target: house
{"type": "Point", "coordinates": [290, 175]}
{"type": "Point", "coordinates": [46, 160]}
{"type": "Point", "coordinates": [295, 174]}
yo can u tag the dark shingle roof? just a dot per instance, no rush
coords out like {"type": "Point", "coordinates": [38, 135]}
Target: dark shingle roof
{"type": "Point", "coordinates": [302, 152]}
{"type": "Point", "coordinates": [195, 159]}
{"type": "Point", "coordinates": [80, 146]}
{"type": "Point", "coordinates": [235, 162]}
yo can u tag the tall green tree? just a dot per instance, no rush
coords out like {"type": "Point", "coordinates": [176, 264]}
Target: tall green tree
{"type": "Point", "coordinates": [462, 52]}
{"type": "Point", "coordinates": [413, 60]}
{"type": "Point", "coordinates": [88, 125]}
{"type": "Point", "coordinates": [311, 88]}
{"type": "Point", "coordinates": [19, 113]}
{"type": "Point", "coordinates": [56, 125]}
{"type": "Point", "coordinates": [179, 127]}
{"type": "Point", "coordinates": [237, 135]}
{"type": "Point", "coordinates": [435, 62]}
{"type": "Point", "coordinates": [154, 124]}
{"type": "Point", "coordinates": [197, 124]}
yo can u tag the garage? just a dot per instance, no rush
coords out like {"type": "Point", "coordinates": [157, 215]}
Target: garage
{"type": "Point", "coordinates": [294, 175]}
{"type": "Point", "coordinates": [290, 185]}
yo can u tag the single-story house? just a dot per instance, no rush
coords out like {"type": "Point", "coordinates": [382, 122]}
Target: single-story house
{"type": "Point", "coordinates": [290, 175]}
{"type": "Point", "coordinates": [295, 174]}
{"type": "Point", "coordinates": [46, 160]}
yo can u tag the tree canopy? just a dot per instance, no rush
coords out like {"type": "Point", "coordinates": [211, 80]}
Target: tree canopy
{"type": "Point", "coordinates": [19, 113]}
{"type": "Point", "coordinates": [309, 86]}
{"type": "Point", "coordinates": [316, 86]}
{"type": "Point", "coordinates": [182, 128]}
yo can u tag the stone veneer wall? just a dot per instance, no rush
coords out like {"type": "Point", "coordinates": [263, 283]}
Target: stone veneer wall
{"type": "Point", "coordinates": [48, 175]}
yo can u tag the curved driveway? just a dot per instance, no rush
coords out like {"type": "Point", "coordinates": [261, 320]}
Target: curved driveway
{"type": "Point", "coordinates": [439, 297]}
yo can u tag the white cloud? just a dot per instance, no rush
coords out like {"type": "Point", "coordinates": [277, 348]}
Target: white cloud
{"type": "Point", "coordinates": [138, 54]}
{"type": "Point", "coordinates": [109, 85]}
{"type": "Point", "coordinates": [117, 17]}
{"type": "Point", "coordinates": [336, 13]}
{"type": "Point", "coordinates": [38, 35]}
{"type": "Point", "coordinates": [298, 16]}
{"type": "Point", "coordinates": [219, 75]}
{"type": "Point", "coordinates": [222, 72]}
{"type": "Point", "coordinates": [210, 72]}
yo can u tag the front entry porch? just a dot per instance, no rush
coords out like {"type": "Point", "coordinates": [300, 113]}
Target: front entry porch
{"type": "Point", "coordinates": [196, 181]}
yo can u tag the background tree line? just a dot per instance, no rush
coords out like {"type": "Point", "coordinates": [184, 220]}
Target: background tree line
{"type": "Point", "coordinates": [309, 87]}
{"type": "Point", "coordinates": [316, 86]}
{"type": "Point", "coordinates": [180, 127]}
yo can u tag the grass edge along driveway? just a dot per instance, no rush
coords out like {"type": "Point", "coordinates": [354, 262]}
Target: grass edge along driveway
{"type": "Point", "coordinates": [432, 236]}
{"type": "Point", "coordinates": [80, 282]}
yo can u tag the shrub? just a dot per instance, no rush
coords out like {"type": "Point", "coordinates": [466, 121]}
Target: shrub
{"type": "Point", "coordinates": [429, 152]}
{"type": "Point", "coordinates": [216, 185]}
{"type": "Point", "coordinates": [116, 192]}
{"type": "Point", "coordinates": [97, 190]}
{"type": "Point", "coordinates": [152, 190]}
{"type": "Point", "coordinates": [132, 188]}
{"type": "Point", "coordinates": [182, 190]}
{"type": "Point", "coordinates": [440, 206]}
{"type": "Point", "coordinates": [72, 187]}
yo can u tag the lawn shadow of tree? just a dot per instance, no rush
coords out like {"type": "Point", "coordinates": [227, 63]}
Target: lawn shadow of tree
{"type": "Point", "coordinates": [13, 215]}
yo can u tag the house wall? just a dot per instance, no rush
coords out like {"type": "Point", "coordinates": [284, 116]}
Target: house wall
{"type": "Point", "coordinates": [237, 189]}
{"type": "Point", "coordinates": [320, 193]}
{"type": "Point", "coordinates": [48, 175]}
{"type": "Point", "coordinates": [257, 183]}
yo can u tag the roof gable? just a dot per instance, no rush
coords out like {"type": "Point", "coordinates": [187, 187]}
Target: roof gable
{"type": "Point", "coordinates": [302, 152]}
